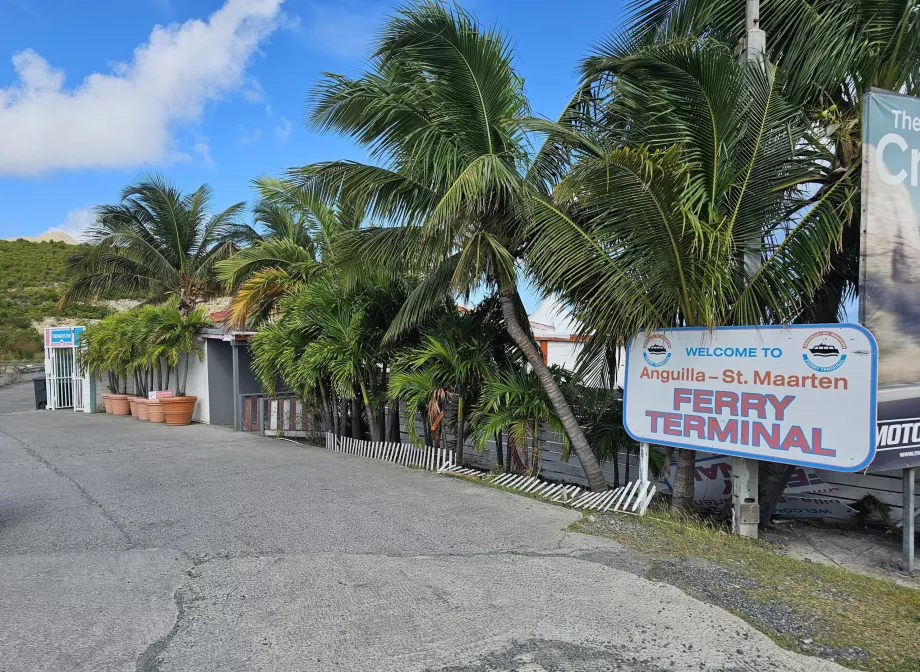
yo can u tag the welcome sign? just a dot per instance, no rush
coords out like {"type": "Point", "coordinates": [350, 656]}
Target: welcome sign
{"type": "Point", "coordinates": [801, 394]}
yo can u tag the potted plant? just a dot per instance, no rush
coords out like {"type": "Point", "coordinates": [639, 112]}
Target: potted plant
{"type": "Point", "coordinates": [175, 340]}
{"type": "Point", "coordinates": [101, 351]}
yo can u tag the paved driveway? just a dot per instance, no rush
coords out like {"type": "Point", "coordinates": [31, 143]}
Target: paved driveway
{"type": "Point", "coordinates": [131, 546]}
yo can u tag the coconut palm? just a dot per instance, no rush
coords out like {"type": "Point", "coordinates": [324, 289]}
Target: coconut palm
{"type": "Point", "coordinates": [831, 52]}
{"type": "Point", "coordinates": [294, 247]}
{"type": "Point", "coordinates": [328, 338]}
{"type": "Point", "coordinates": [157, 242]}
{"type": "Point", "coordinates": [686, 164]}
{"type": "Point", "coordinates": [444, 116]}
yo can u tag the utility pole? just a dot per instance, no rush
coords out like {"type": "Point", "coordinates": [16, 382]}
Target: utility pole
{"type": "Point", "coordinates": [745, 471]}
{"type": "Point", "coordinates": [755, 40]}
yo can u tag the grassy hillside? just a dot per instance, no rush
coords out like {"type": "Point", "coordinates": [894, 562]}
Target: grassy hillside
{"type": "Point", "coordinates": [32, 279]}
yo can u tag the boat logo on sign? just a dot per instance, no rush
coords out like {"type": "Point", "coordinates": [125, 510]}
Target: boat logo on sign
{"type": "Point", "coordinates": [656, 350]}
{"type": "Point", "coordinates": [824, 351]}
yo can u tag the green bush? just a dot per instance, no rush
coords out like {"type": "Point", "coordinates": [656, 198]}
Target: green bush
{"type": "Point", "coordinates": [33, 276]}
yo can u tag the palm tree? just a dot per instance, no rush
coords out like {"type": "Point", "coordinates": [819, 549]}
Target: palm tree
{"type": "Point", "coordinates": [831, 52]}
{"type": "Point", "coordinates": [328, 337]}
{"type": "Point", "coordinates": [685, 164]}
{"type": "Point", "coordinates": [443, 113]}
{"type": "Point", "coordinates": [175, 338]}
{"type": "Point", "coordinates": [515, 401]}
{"type": "Point", "coordinates": [445, 372]}
{"type": "Point", "coordinates": [294, 247]}
{"type": "Point", "coordinates": [157, 242]}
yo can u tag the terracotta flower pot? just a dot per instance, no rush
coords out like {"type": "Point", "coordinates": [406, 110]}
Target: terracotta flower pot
{"type": "Point", "coordinates": [155, 411]}
{"type": "Point", "coordinates": [178, 410]}
{"type": "Point", "coordinates": [119, 404]}
{"type": "Point", "coordinates": [141, 405]}
{"type": "Point", "coordinates": [132, 403]}
{"type": "Point", "coordinates": [107, 401]}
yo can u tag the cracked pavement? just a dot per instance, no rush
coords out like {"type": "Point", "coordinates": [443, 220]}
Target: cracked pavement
{"type": "Point", "coordinates": [131, 546]}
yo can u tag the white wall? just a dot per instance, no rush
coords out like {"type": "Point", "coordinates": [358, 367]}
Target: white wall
{"type": "Point", "coordinates": [565, 354]}
{"type": "Point", "coordinates": [562, 353]}
{"type": "Point", "coordinates": [197, 385]}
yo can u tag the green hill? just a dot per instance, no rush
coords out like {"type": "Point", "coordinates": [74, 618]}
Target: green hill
{"type": "Point", "coordinates": [32, 278]}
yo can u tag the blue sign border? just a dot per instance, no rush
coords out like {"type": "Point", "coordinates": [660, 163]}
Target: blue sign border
{"type": "Point", "coordinates": [873, 406]}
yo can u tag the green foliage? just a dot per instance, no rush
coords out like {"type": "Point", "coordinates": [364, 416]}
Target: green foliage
{"type": "Point", "coordinates": [146, 343]}
{"type": "Point", "coordinates": [31, 284]}
{"type": "Point", "coordinates": [157, 242]}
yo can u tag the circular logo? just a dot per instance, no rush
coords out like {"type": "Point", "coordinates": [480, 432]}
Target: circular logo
{"type": "Point", "coordinates": [656, 350]}
{"type": "Point", "coordinates": [824, 351]}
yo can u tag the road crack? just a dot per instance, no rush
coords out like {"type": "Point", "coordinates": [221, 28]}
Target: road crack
{"type": "Point", "coordinates": [84, 493]}
{"type": "Point", "coordinates": [151, 657]}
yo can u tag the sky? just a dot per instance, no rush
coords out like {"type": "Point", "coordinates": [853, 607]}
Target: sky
{"type": "Point", "coordinates": [95, 94]}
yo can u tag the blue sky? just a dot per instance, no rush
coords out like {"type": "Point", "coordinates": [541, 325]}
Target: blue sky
{"type": "Point", "coordinates": [93, 94]}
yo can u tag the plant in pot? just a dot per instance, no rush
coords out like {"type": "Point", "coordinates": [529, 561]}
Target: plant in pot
{"type": "Point", "coordinates": [102, 350]}
{"type": "Point", "coordinates": [175, 341]}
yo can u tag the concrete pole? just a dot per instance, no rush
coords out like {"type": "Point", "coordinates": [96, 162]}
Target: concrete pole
{"type": "Point", "coordinates": [908, 521]}
{"type": "Point", "coordinates": [755, 40]}
{"type": "Point", "coordinates": [643, 462]}
{"type": "Point", "coordinates": [745, 509]}
{"type": "Point", "coordinates": [745, 472]}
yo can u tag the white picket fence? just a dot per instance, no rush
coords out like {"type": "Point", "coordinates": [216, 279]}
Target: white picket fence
{"type": "Point", "coordinates": [632, 498]}
{"type": "Point", "coordinates": [405, 454]}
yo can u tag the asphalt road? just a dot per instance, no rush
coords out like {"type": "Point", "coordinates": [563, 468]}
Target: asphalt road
{"type": "Point", "coordinates": [131, 546]}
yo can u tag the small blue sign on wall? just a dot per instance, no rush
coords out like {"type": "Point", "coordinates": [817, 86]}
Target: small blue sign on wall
{"type": "Point", "coordinates": [63, 337]}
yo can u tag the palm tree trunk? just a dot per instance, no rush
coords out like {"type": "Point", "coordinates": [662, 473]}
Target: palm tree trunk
{"type": "Point", "coordinates": [356, 418]}
{"type": "Point", "coordinates": [498, 450]}
{"type": "Point", "coordinates": [509, 300]}
{"type": "Point", "coordinates": [343, 418]}
{"type": "Point", "coordinates": [328, 425]}
{"type": "Point", "coordinates": [372, 424]}
{"type": "Point", "coordinates": [461, 427]}
{"type": "Point", "coordinates": [188, 363]}
{"type": "Point", "coordinates": [771, 481]}
{"type": "Point", "coordinates": [684, 482]}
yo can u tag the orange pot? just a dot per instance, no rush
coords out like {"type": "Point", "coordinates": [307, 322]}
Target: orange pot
{"type": "Point", "coordinates": [107, 401]}
{"type": "Point", "coordinates": [132, 403]}
{"type": "Point", "coordinates": [178, 410]}
{"type": "Point", "coordinates": [141, 405]}
{"type": "Point", "coordinates": [119, 404]}
{"type": "Point", "coordinates": [155, 411]}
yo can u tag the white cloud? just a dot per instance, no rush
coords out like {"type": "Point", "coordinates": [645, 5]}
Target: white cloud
{"type": "Point", "coordinates": [203, 150]}
{"type": "Point", "coordinates": [247, 138]}
{"type": "Point", "coordinates": [126, 118]}
{"type": "Point", "coordinates": [283, 129]}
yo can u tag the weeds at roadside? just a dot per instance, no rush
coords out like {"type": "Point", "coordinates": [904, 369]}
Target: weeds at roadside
{"type": "Point", "coordinates": [860, 621]}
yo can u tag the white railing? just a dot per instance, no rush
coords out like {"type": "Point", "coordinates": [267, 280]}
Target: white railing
{"type": "Point", "coordinates": [405, 454]}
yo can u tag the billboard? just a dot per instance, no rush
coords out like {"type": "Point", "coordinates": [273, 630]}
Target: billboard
{"type": "Point", "coordinates": [898, 432]}
{"type": "Point", "coordinates": [800, 394]}
{"type": "Point", "coordinates": [806, 495]}
{"type": "Point", "coordinates": [889, 294]}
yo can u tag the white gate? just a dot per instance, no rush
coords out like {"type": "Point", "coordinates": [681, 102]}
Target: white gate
{"type": "Point", "coordinates": [64, 383]}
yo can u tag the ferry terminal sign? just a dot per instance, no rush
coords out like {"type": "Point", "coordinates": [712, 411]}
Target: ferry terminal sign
{"type": "Point", "coordinates": [799, 394]}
